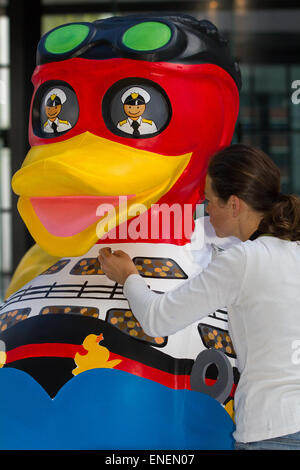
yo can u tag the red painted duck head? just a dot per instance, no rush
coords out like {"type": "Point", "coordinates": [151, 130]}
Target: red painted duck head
{"type": "Point", "coordinates": [126, 106]}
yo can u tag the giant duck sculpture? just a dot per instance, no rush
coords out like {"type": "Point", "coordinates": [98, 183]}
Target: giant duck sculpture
{"type": "Point", "coordinates": [125, 114]}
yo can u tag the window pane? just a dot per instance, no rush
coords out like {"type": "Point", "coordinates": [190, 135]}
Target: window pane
{"type": "Point", "coordinates": [249, 115]}
{"type": "Point", "coordinates": [295, 72]}
{"type": "Point", "coordinates": [279, 107]}
{"type": "Point", "coordinates": [270, 79]}
{"type": "Point", "coordinates": [4, 43]}
{"type": "Point", "coordinates": [5, 178]}
{"type": "Point", "coordinates": [246, 72]}
{"type": "Point", "coordinates": [4, 98]}
{"type": "Point", "coordinates": [5, 283]}
{"type": "Point", "coordinates": [6, 242]}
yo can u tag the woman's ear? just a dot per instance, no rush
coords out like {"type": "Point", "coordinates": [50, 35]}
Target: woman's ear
{"type": "Point", "coordinates": [235, 205]}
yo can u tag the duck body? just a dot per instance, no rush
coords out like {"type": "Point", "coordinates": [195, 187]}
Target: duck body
{"type": "Point", "coordinates": [92, 185]}
{"type": "Point", "coordinates": [48, 339]}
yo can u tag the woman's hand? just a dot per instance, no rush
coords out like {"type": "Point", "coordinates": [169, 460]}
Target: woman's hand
{"type": "Point", "coordinates": [116, 265]}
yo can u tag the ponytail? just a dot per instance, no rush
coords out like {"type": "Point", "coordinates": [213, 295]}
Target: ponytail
{"type": "Point", "coordinates": [283, 220]}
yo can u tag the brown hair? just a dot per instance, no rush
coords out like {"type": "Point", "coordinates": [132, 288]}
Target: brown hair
{"type": "Point", "coordinates": [251, 175]}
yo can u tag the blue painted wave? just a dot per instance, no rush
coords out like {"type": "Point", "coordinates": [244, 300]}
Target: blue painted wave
{"type": "Point", "coordinates": [108, 409]}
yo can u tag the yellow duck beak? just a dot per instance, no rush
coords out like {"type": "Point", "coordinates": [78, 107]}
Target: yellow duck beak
{"type": "Point", "coordinates": [62, 185]}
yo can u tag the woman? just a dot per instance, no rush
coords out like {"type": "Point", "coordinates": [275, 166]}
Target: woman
{"type": "Point", "coordinates": [258, 281]}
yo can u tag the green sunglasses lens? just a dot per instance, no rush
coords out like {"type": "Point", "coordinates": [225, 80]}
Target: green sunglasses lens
{"type": "Point", "coordinates": [66, 38]}
{"type": "Point", "coordinates": [147, 36]}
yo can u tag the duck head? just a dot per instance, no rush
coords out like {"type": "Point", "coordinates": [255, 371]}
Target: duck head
{"type": "Point", "coordinates": [92, 341]}
{"type": "Point", "coordinates": [127, 106]}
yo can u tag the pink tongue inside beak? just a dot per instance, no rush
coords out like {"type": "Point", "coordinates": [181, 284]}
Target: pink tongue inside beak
{"type": "Point", "coordinates": [65, 216]}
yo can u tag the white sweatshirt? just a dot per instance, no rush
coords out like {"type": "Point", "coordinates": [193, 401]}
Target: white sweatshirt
{"type": "Point", "coordinates": [259, 282]}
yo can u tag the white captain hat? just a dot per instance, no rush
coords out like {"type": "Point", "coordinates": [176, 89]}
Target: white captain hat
{"type": "Point", "coordinates": [55, 97]}
{"type": "Point", "coordinates": [135, 96]}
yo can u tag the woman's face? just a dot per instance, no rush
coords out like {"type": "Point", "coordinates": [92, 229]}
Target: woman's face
{"type": "Point", "coordinates": [219, 212]}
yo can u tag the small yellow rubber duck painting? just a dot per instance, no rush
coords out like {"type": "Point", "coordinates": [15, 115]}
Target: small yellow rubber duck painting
{"type": "Point", "coordinates": [96, 357]}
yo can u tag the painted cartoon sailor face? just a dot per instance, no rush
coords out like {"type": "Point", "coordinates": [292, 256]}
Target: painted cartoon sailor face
{"type": "Point", "coordinates": [134, 112]}
{"type": "Point", "coordinates": [135, 100]}
{"type": "Point", "coordinates": [53, 103]}
{"type": "Point", "coordinates": [53, 111]}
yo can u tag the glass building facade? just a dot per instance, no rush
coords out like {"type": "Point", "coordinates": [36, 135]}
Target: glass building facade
{"type": "Point", "coordinates": [5, 157]}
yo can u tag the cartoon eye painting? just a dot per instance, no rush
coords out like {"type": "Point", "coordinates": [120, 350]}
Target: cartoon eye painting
{"type": "Point", "coordinates": [136, 108]}
{"type": "Point", "coordinates": [134, 104]}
